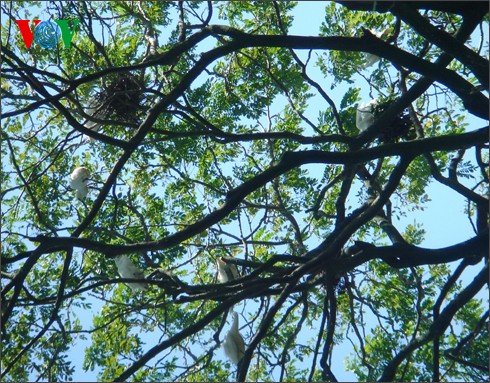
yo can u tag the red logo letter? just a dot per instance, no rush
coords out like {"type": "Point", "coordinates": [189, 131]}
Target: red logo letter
{"type": "Point", "coordinates": [26, 32]}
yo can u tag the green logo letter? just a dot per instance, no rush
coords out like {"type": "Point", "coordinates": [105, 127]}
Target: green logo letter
{"type": "Point", "coordinates": [66, 34]}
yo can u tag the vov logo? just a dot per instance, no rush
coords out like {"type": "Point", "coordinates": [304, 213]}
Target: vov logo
{"type": "Point", "coordinates": [47, 33]}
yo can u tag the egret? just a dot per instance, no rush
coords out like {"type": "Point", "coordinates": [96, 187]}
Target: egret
{"type": "Point", "coordinates": [79, 181]}
{"type": "Point", "coordinates": [233, 344]}
{"type": "Point", "coordinates": [226, 272]}
{"type": "Point", "coordinates": [369, 57]}
{"type": "Point", "coordinates": [365, 115]}
{"type": "Point", "coordinates": [92, 125]}
{"type": "Point", "coordinates": [128, 269]}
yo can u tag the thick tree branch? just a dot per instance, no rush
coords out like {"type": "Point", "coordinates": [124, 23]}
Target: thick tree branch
{"type": "Point", "coordinates": [290, 160]}
{"type": "Point", "coordinates": [477, 64]}
{"type": "Point", "coordinates": [457, 7]}
{"type": "Point", "coordinates": [324, 256]}
{"type": "Point", "coordinates": [402, 255]}
{"type": "Point", "coordinates": [473, 100]}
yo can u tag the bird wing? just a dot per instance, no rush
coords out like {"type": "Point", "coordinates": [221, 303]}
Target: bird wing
{"type": "Point", "coordinates": [234, 271]}
{"type": "Point", "coordinates": [82, 192]}
{"type": "Point", "coordinates": [127, 269]}
{"type": "Point", "coordinates": [132, 270]}
{"type": "Point", "coordinates": [240, 345]}
{"type": "Point", "coordinates": [138, 274]}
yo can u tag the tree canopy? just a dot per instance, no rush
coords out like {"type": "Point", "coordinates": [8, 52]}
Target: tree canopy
{"type": "Point", "coordinates": [186, 135]}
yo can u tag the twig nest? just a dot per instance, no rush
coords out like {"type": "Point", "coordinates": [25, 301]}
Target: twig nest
{"type": "Point", "coordinates": [121, 99]}
{"type": "Point", "coordinates": [79, 181]}
{"type": "Point", "coordinates": [400, 126]}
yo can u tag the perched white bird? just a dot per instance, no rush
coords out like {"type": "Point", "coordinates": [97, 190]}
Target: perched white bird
{"type": "Point", "coordinates": [79, 181]}
{"type": "Point", "coordinates": [226, 272]}
{"type": "Point", "coordinates": [369, 57]}
{"type": "Point", "coordinates": [128, 269]}
{"type": "Point", "coordinates": [365, 115]}
{"type": "Point", "coordinates": [153, 43]}
{"type": "Point", "coordinates": [92, 125]}
{"type": "Point", "coordinates": [233, 344]}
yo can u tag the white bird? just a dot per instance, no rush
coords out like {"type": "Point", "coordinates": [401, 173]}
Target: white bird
{"type": "Point", "coordinates": [153, 43]}
{"type": "Point", "coordinates": [226, 272]}
{"type": "Point", "coordinates": [369, 57]}
{"type": "Point", "coordinates": [92, 125]}
{"type": "Point", "coordinates": [365, 115]}
{"type": "Point", "coordinates": [233, 344]}
{"type": "Point", "coordinates": [79, 181]}
{"type": "Point", "coordinates": [128, 269]}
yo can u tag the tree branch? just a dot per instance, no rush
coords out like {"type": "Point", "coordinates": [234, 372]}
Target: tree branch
{"type": "Point", "coordinates": [402, 255]}
{"type": "Point", "coordinates": [477, 64]}
{"type": "Point", "coordinates": [290, 160]}
{"type": "Point", "coordinates": [473, 100]}
{"type": "Point", "coordinates": [462, 8]}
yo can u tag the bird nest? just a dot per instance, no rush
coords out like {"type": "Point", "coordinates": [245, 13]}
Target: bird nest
{"type": "Point", "coordinates": [400, 127]}
{"type": "Point", "coordinates": [121, 98]}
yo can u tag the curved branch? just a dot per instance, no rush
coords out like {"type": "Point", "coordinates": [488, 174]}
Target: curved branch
{"type": "Point", "coordinates": [475, 101]}
{"type": "Point", "coordinates": [54, 312]}
{"type": "Point", "coordinates": [261, 332]}
{"type": "Point", "coordinates": [444, 40]}
{"type": "Point", "coordinates": [194, 328]}
{"type": "Point", "coordinates": [289, 161]}
{"type": "Point", "coordinates": [454, 184]}
{"type": "Point", "coordinates": [403, 255]}
{"type": "Point", "coordinates": [461, 8]}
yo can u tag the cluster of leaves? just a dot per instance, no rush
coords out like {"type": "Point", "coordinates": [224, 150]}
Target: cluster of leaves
{"type": "Point", "coordinates": [209, 149]}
